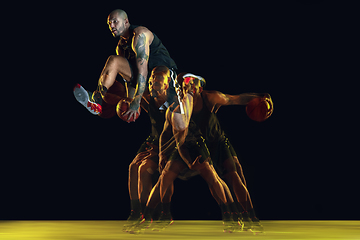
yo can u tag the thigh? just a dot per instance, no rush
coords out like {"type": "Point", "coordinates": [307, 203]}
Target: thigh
{"type": "Point", "coordinates": [119, 65]}
{"type": "Point", "coordinates": [208, 172]}
{"type": "Point", "coordinates": [175, 166]}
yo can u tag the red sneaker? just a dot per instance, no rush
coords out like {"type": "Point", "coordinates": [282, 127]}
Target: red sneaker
{"type": "Point", "coordinates": [82, 96]}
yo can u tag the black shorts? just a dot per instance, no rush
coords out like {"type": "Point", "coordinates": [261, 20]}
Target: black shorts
{"type": "Point", "coordinates": [153, 140]}
{"type": "Point", "coordinates": [196, 147]}
{"type": "Point", "coordinates": [220, 151]}
{"type": "Point", "coordinates": [135, 72]}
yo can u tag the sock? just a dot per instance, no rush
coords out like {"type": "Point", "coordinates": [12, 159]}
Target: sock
{"type": "Point", "coordinates": [234, 211]}
{"type": "Point", "coordinates": [143, 205]}
{"type": "Point", "coordinates": [166, 208]}
{"type": "Point", "coordinates": [157, 213]}
{"type": "Point", "coordinates": [225, 211]}
{"type": "Point", "coordinates": [148, 213]}
{"type": "Point", "coordinates": [252, 214]}
{"type": "Point", "coordinates": [166, 213]}
{"type": "Point", "coordinates": [135, 206]}
{"type": "Point", "coordinates": [239, 206]}
{"type": "Point", "coordinates": [97, 95]}
{"type": "Point", "coordinates": [240, 210]}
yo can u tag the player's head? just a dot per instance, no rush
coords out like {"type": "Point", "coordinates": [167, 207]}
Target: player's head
{"type": "Point", "coordinates": [159, 81]}
{"type": "Point", "coordinates": [191, 82]}
{"type": "Point", "coordinates": [118, 22]}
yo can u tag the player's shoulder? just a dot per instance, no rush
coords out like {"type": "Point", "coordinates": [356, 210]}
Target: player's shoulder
{"type": "Point", "coordinates": [141, 29]}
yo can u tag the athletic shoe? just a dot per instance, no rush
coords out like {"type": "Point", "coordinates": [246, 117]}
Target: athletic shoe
{"type": "Point", "coordinates": [228, 223]}
{"type": "Point", "coordinates": [82, 96]}
{"type": "Point", "coordinates": [133, 218]}
{"type": "Point", "coordinates": [252, 225]}
{"type": "Point", "coordinates": [256, 226]}
{"type": "Point", "coordinates": [164, 221]}
{"type": "Point", "coordinates": [140, 226]}
{"type": "Point", "coordinates": [238, 225]}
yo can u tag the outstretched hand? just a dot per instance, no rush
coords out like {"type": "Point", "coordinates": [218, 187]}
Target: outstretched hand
{"type": "Point", "coordinates": [134, 110]}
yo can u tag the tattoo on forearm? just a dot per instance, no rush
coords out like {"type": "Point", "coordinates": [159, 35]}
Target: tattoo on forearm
{"type": "Point", "coordinates": [141, 85]}
{"type": "Point", "coordinates": [141, 58]}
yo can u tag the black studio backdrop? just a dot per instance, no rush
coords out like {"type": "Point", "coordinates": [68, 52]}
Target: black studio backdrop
{"type": "Point", "coordinates": [76, 164]}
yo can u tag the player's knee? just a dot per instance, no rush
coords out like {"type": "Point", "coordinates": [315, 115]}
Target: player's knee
{"type": "Point", "coordinates": [112, 59]}
{"type": "Point", "coordinates": [207, 166]}
{"type": "Point", "coordinates": [166, 175]}
{"type": "Point", "coordinates": [208, 174]}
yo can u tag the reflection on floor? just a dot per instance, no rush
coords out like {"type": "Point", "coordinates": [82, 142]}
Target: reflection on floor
{"type": "Point", "coordinates": [188, 230]}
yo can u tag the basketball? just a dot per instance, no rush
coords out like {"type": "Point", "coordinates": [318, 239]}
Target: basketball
{"type": "Point", "coordinates": [259, 109]}
{"type": "Point", "coordinates": [111, 100]}
{"type": "Point", "coordinates": [122, 107]}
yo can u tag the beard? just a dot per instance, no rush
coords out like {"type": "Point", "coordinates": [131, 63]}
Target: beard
{"type": "Point", "coordinates": [120, 30]}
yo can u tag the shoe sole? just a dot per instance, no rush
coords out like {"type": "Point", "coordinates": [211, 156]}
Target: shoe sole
{"type": "Point", "coordinates": [81, 95]}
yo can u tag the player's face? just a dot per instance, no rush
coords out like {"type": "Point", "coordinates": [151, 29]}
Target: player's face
{"type": "Point", "coordinates": [190, 85]}
{"type": "Point", "coordinates": [116, 25]}
{"type": "Point", "coordinates": [157, 85]}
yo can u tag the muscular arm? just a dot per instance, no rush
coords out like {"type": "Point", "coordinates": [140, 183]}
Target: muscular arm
{"type": "Point", "coordinates": [141, 47]}
{"type": "Point", "coordinates": [217, 99]}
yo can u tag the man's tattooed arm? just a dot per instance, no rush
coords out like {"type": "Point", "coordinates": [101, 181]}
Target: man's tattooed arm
{"type": "Point", "coordinates": [142, 50]}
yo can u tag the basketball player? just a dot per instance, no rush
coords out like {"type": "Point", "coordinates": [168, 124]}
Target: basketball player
{"type": "Point", "coordinates": [138, 50]}
{"type": "Point", "coordinates": [145, 164]}
{"type": "Point", "coordinates": [190, 157]}
{"type": "Point", "coordinates": [206, 104]}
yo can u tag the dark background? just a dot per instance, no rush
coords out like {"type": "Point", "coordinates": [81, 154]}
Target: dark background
{"type": "Point", "coordinates": [68, 164]}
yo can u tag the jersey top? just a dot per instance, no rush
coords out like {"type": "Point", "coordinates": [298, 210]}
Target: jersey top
{"type": "Point", "coordinates": [159, 55]}
{"type": "Point", "coordinates": [209, 124]}
{"type": "Point", "coordinates": [157, 118]}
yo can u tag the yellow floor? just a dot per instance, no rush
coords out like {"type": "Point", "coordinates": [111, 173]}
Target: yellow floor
{"type": "Point", "coordinates": [184, 230]}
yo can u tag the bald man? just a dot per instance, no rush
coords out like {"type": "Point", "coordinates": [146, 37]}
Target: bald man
{"type": "Point", "coordinates": [145, 164]}
{"type": "Point", "coordinates": [138, 50]}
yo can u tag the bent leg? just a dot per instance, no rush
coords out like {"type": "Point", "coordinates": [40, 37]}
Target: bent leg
{"type": "Point", "coordinates": [154, 196]}
{"type": "Point", "coordinates": [133, 188]}
{"type": "Point", "coordinates": [146, 170]}
{"type": "Point", "coordinates": [215, 186]}
{"type": "Point", "coordinates": [133, 178]}
{"type": "Point", "coordinates": [169, 174]}
{"type": "Point", "coordinates": [227, 191]}
{"type": "Point", "coordinates": [236, 183]}
{"type": "Point", "coordinates": [114, 65]}
{"type": "Point", "coordinates": [239, 170]}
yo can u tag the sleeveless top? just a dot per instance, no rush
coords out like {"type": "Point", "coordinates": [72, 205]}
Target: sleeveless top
{"type": "Point", "coordinates": [158, 56]}
{"type": "Point", "coordinates": [157, 118]}
{"type": "Point", "coordinates": [209, 124]}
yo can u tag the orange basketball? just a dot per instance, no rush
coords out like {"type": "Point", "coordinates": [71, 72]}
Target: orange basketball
{"type": "Point", "coordinates": [259, 109]}
{"type": "Point", "coordinates": [122, 107]}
